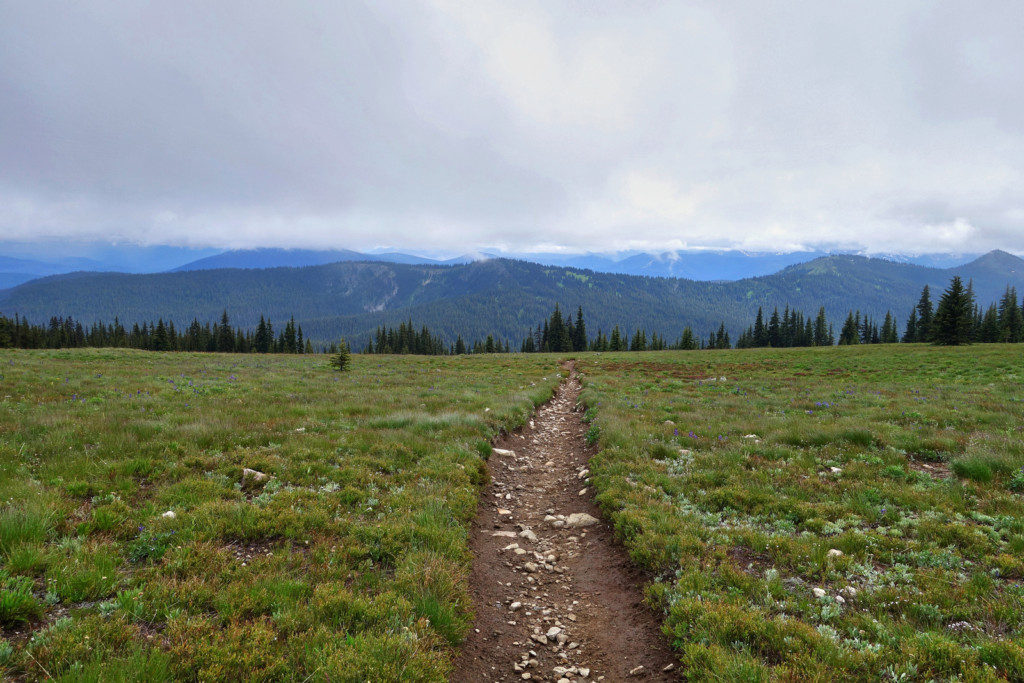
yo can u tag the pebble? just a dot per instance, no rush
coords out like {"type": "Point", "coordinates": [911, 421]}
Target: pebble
{"type": "Point", "coordinates": [169, 515]}
{"type": "Point", "coordinates": [578, 519]}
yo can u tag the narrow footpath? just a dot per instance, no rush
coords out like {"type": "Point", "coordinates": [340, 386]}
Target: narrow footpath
{"type": "Point", "coordinates": [556, 599]}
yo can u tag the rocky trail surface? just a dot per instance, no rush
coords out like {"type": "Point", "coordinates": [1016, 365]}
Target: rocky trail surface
{"type": "Point", "coordinates": [556, 599]}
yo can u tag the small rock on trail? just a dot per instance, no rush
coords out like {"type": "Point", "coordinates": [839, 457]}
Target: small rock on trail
{"type": "Point", "coordinates": [555, 598]}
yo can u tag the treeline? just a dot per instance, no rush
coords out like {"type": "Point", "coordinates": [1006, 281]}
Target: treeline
{"type": "Point", "coordinates": [67, 333]}
{"type": "Point", "coordinates": [959, 319]}
{"type": "Point", "coordinates": [406, 340]}
{"type": "Point", "coordinates": [560, 334]}
{"type": "Point", "coordinates": [956, 320]}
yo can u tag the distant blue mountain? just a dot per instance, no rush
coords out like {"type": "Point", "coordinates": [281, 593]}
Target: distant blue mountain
{"type": "Point", "coordinates": [26, 261]}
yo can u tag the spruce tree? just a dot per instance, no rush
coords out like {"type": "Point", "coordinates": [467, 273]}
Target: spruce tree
{"type": "Point", "coordinates": [341, 360]}
{"type": "Point", "coordinates": [774, 330]}
{"type": "Point", "coordinates": [580, 341]}
{"type": "Point", "coordinates": [760, 333]}
{"type": "Point", "coordinates": [954, 316]}
{"type": "Point", "coordinates": [850, 333]}
{"type": "Point", "coordinates": [616, 340]}
{"type": "Point", "coordinates": [1011, 317]}
{"type": "Point", "coordinates": [910, 335]}
{"type": "Point", "coordinates": [225, 337]}
{"type": "Point", "coordinates": [924, 316]}
{"type": "Point", "coordinates": [821, 336]}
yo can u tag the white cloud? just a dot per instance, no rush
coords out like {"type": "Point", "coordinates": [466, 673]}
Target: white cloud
{"type": "Point", "coordinates": [458, 125]}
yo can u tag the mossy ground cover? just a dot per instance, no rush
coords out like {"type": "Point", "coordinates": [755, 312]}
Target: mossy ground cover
{"type": "Point", "coordinates": [820, 514]}
{"type": "Point", "coordinates": [349, 564]}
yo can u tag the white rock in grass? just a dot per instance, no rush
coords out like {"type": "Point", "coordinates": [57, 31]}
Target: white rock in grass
{"type": "Point", "coordinates": [578, 519]}
{"type": "Point", "coordinates": [252, 479]}
{"type": "Point", "coordinates": [169, 515]}
{"type": "Point", "coordinates": [503, 452]}
{"type": "Point", "coordinates": [835, 552]}
{"type": "Point", "coordinates": [818, 592]}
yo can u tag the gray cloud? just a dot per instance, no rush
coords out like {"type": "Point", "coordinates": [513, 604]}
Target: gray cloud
{"type": "Point", "coordinates": [893, 126]}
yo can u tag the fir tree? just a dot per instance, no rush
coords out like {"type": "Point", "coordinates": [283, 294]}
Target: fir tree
{"type": "Point", "coordinates": [225, 338]}
{"type": "Point", "coordinates": [342, 360]}
{"type": "Point", "coordinates": [954, 316]}
{"type": "Point", "coordinates": [924, 316]}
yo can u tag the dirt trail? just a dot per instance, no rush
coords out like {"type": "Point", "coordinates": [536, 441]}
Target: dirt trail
{"type": "Point", "coordinates": [555, 597]}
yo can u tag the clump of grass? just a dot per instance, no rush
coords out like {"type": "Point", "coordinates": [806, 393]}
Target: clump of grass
{"type": "Point", "coordinates": [975, 469]}
{"type": "Point", "coordinates": [18, 604]}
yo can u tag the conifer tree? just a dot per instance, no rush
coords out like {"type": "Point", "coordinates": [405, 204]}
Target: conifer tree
{"type": "Point", "coordinates": [616, 340]}
{"type": "Point", "coordinates": [924, 316]}
{"type": "Point", "coordinates": [1011, 317]}
{"type": "Point", "coordinates": [225, 338]}
{"type": "Point", "coordinates": [910, 334]}
{"type": "Point", "coordinates": [760, 332]}
{"type": "Point", "coordinates": [850, 333]}
{"type": "Point", "coordinates": [341, 360]}
{"type": "Point", "coordinates": [821, 336]}
{"type": "Point", "coordinates": [954, 316]}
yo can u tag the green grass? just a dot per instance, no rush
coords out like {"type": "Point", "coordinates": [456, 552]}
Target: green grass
{"type": "Point", "coordinates": [350, 564]}
{"type": "Point", "coordinates": [888, 478]}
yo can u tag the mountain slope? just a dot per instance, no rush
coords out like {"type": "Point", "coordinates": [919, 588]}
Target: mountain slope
{"type": "Point", "coordinates": [499, 296]}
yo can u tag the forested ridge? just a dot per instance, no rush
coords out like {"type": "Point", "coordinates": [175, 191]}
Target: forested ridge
{"type": "Point", "coordinates": [500, 297]}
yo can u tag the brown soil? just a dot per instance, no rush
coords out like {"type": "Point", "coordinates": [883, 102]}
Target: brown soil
{"type": "Point", "coordinates": [576, 579]}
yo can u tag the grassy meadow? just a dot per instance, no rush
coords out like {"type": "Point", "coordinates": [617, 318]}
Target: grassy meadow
{"type": "Point", "coordinates": [820, 514]}
{"type": "Point", "coordinates": [130, 550]}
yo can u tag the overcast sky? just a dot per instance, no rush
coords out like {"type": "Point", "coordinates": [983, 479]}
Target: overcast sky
{"type": "Point", "coordinates": [883, 126]}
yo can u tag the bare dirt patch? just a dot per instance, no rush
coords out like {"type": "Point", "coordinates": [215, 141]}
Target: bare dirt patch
{"type": "Point", "coordinates": [555, 597]}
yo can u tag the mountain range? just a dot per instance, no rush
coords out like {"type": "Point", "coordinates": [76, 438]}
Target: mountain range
{"type": "Point", "coordinates": [505, 297]}
{"type": "Point", "coordinates": [22, 262]}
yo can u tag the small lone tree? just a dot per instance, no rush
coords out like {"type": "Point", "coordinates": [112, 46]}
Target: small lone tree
{"type": "Point", "coordinates": [342, 360]}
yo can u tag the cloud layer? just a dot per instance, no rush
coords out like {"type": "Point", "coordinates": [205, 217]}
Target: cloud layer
{"type": "Point", "coordinates": [886, 126]}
